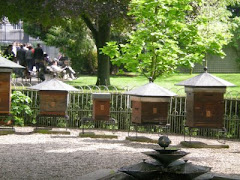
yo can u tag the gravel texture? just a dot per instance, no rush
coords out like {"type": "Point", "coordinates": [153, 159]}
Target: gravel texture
{"type": "Point", "coordinates": [44, 156]}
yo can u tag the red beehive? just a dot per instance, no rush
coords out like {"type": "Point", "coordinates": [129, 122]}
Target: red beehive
{"type": "Point", "coordinates": [150, 104]}
{"type": "Point", "coordinates": [205, 101]}
{"type": "Point", "coordinates": [101, 106]}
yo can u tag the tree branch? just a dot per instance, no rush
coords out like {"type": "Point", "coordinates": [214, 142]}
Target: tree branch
{"type": "Point", "coordinates": [90, 26]}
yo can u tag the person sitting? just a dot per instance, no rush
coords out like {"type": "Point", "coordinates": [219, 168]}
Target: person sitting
{"type": "Point", "coordinates": [55, 67]}
{"type": "Point", "coordinates": [69, 75]}
{"type": "Point", "coordinates": [55, 70]}
{"type": "Point", "coordinates": [66, 72]}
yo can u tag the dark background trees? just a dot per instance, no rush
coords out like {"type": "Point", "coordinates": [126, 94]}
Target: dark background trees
{"type": "Point", "coordinates": [98, 15]}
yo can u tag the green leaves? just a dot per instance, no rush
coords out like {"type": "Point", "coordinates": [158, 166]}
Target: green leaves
{"type": "Point", "coordinates": [20, 104]}
{"type": "Point", "coordinates": [171, 33]}
{"type": "Point", "coordinates": [111, 49]}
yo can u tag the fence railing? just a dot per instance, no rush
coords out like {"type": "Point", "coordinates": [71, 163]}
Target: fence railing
{"type": "Point", "coordinates": [80, 106]}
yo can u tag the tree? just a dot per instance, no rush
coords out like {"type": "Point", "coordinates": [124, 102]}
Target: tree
{"type": "Point", "coordinates": [74, 41]}
{"type": "Point", "coordinates": [235, 9]}
{"type": "Point", "coordinates": [99, 16]}
{"type": "Point", "coordinates": [36, 30]}
{"type": "Point", "coordinates": [171, 34]}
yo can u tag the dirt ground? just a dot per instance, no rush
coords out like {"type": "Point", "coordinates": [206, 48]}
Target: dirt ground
{"type": "Point", "coordinates": [56, 156]}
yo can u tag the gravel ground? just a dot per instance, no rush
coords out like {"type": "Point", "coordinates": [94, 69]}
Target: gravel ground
{"type": "Point", "coordinates": [39, 156]}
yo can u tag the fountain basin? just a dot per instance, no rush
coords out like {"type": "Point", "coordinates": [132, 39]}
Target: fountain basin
{"type": "Point", "coordinates": [143, 170]}
{"type": "Point", "coordinates": [166, 151]}
{"type": "Point", "coordinates": [187, 170]}
{"type": "Point", "coordinates": [164, 157]}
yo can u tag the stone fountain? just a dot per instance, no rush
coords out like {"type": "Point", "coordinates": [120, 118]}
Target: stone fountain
{"type": "Point", "coordinates": [167, 166]}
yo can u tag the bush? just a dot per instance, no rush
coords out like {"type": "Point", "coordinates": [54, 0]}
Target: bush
{"type": "Point", "coordinates": [20, 103]}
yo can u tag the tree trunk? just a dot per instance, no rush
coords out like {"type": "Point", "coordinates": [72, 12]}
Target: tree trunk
{"type": "Point", "coordinates": [103, 36]}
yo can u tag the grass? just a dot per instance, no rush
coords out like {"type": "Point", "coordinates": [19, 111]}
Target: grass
{"type": "Point", "coordinates": [121, 82]}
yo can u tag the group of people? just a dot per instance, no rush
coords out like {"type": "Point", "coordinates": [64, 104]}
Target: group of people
{"type": "Point", "coordinates": [29, 57]}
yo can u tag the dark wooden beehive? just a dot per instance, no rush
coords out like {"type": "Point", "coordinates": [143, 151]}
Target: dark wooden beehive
{"type": "Point", "coordinates": [5, 92]}
{"type": "Point", "coordinates": [149, 110]}
{"type": "Point", "coordinates": [205, 109]}
{"type": "Point", "coordinates": [53, 103]}
{"type": "Point", "coordinates": [150, 104]}
{"type": "Point", "coordinates": [205, 101]}
{"type": "Point", "coordinates": [101, 106]}
{"type": "Point", "coordinates": [6, 67]}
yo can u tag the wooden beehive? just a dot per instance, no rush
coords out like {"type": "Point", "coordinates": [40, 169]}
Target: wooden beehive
{"type": "Point", "coordinates": [150, 104]}
{"type": "Point", "coordinates": [149, 110]}
{"type": "Point", "coordinates": [205, 109]}
{"type": "Point", "coordinates": [53, 95]}
{"type": "Point", "coordinates": [5, 92]}
{"type": "Point", "coordinates": [101, 106]}
{"type": "Point", "coordinates": [205, 101]}
{"type": "Point", "coordinates": [53, 103]}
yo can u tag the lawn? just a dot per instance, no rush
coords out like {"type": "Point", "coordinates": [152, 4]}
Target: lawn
{"type": "Point", "coordinates": [167, 82]}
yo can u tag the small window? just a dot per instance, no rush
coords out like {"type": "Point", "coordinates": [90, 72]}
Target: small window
{"type": "Point", "coordinates": [102, 107]}
{"type": "Point", "coordinates": [154, 110]}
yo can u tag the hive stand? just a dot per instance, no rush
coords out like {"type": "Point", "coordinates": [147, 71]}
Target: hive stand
{"type": "Point", "coordinates": [6, 67]}
{"type": "Point", "coordinates": [5, 99]}
{"type": "Point", "coordinates": [53, 95]}
{"type": "Point", "coordinates": [150, 104]}
{"type": "Point", "coordinates": [101, 111]}
{"type": "Point", "coordinates": [205, 103]}
{"type": "Point", "coordinates": [53, 104]}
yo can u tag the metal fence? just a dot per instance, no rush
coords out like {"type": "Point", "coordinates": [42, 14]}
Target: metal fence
{"type": "Point", "coordinates": [80, 106]}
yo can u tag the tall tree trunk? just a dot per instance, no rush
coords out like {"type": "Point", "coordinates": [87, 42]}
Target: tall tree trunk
{"type": "Point", "coordinates": [103, 36]}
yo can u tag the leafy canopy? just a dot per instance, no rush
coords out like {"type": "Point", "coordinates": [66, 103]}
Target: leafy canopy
{"type": "Point", "coordinates": [74, 40]}
{"type": "Point", "coordinates": [171, 33]}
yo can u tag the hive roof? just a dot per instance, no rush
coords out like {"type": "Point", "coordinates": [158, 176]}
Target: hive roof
{"type": "Point", "coordinates": [53, 85]}
{"type": "Point", "coordinates": [205, 80]}
{"type": "Point", "coordinates": [5, 63]}
{"type": "Point", "coordinates": [151, 90]}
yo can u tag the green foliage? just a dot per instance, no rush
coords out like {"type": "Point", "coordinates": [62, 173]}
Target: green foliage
{"type": "Point", "coordinates": [20, 104]}
{"type": "Point", "coordinates": [236, 31]}
{"type": "Point", "coordinates": [122, 82]}
{"type": "Point", "coordinates": [169, 34]}
{"type": "Point", "coordinates": [36, 30]}
{"type": "Point", "coordinates": [61, 124]}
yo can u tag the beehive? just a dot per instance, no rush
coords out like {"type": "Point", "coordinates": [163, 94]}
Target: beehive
{"type": "Point", "coordinates": [101, 106]}
{"type": "Point", "coordinates": [53, 103]}
{"type": "Point", "coordinates": [150, 104]}
{"type": "Point", "coordinates": [149, 110]}
{"type": "Point", "coordinates": [6, 67]}
{"type": "Point", "coordinates": [5, 92]}
{"type": "Point", "coordinates": [53, 95]}
{"type": "Point", "coordinates": [205, 101]}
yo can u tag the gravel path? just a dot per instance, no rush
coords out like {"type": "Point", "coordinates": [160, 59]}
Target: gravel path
{"type": "Point", "coordinates": [38, 156]}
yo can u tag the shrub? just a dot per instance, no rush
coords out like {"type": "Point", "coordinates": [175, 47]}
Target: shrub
{"type": "Point", "coordinates": [20, 103]}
